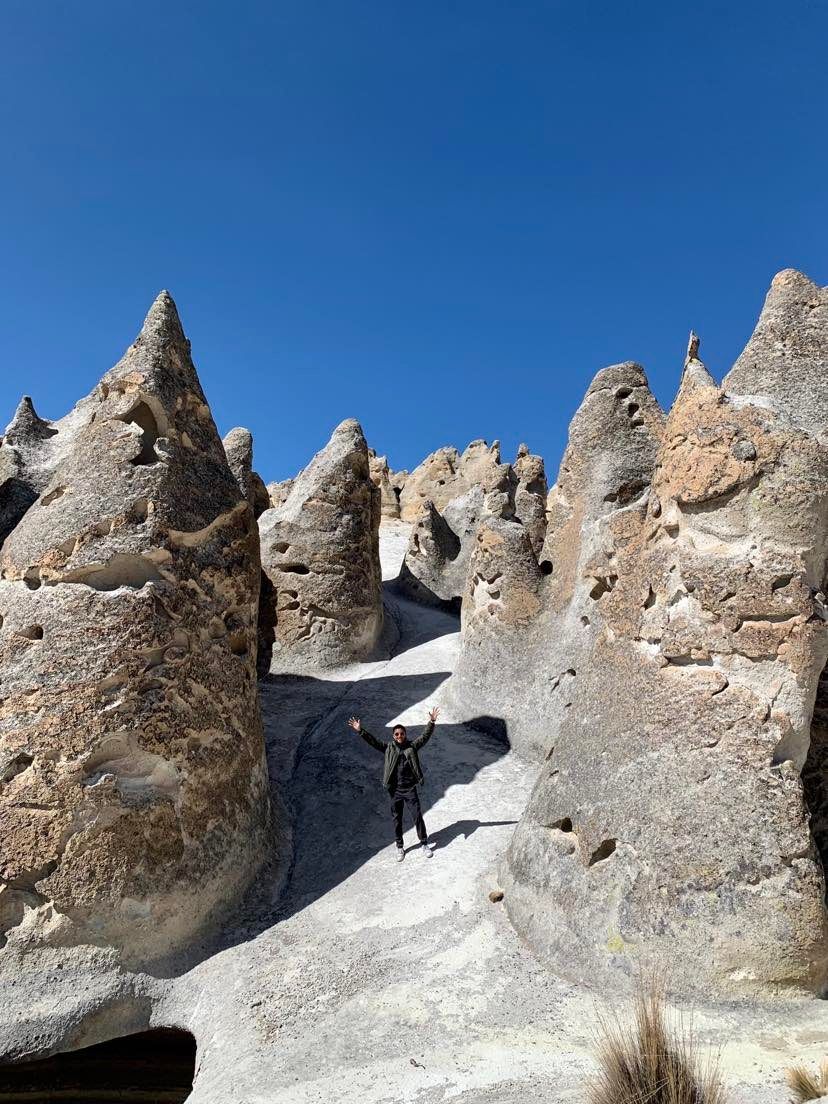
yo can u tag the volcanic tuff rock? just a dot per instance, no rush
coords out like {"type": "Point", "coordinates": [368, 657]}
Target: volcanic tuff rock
{"type": "Point", "coordinates": [278, 492]}
{"type": "Point", "coordinates": [531, 625]}
{"type": "Point", "coordinates": [381, 475]}
{"type": "Point", "coordinates": [445, 475]}
{"type": "Point", "coordinates": [238, 448]}
{"type": "Point", "coordinates": [320, 551]}
{"type": "Point", "coordinates": [670, 821]}
{"type": "Point", "coordinates": [530, 495]}
{"type": "Point", "coordinates": [436, 562]}
{"type": "Point", "coordinates": [134, 802]}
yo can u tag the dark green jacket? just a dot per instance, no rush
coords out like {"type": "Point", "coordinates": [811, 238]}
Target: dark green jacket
{"type": "Point", "coordinates": [392, 752]}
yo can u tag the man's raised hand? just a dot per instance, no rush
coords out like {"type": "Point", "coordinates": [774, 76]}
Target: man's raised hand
{"type": "Point", "coordinates": [355, 724]}
{"type": "Point", "coordinates": [433, 715]}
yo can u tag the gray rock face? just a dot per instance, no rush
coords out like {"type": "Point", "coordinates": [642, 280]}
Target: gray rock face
{"type": "Point", "coordinates": [669, 825]}
{"type": "Point", "coordinates": [238, 448]}
{"type": "Point", "coordinates": [539, 624]}
{"type": "Point", "coordinates": [320, 551]}
{"type": "Point", "coordinates": [785, 357]}
{"type": "Point", "coordinates": [134, 804]}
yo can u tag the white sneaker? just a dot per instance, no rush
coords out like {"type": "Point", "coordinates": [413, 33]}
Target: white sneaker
{"type": "Point", "coordinates": [400, 854]}
{"type": "Point", "coordinates": [428, 849]}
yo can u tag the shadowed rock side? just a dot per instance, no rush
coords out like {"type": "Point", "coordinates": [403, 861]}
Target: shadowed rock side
{"type": "Point", "coordinates": [320, 551]}
{"type": "Point", "coordinates": [527, 623]}
{"type": "Point", "coordinates": [133, 802]}
{"type": "Point", "coordinates": [436, 563]}
{"type": "Point", "coordinates": [669, 824]}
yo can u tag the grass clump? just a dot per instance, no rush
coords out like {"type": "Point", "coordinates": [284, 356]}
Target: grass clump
{"type": "Point", "coordinates": [805, 1085]}
{"type": "Point", "coordinates": [645, 1062]}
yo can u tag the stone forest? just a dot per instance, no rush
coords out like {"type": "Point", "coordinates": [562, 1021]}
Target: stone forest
{"type": "Point", "coordinates": [628, 777]}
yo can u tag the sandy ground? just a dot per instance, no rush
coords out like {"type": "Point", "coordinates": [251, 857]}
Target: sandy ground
{"type": "Point", "coordinates": [350, 978]}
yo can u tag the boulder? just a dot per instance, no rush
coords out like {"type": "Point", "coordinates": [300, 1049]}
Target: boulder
{"type": "Point", "coordinates": [134, 804]}
{"type": "Point", "coordinates": [320, 551]}
{"type": "Point", "coordinates": [669, 825]}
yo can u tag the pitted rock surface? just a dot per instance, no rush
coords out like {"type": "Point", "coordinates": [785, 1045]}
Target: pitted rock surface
{"type": "Point", "coordinates": [134, 802]}
{"type": "Point", "coordinates": [320, 552]}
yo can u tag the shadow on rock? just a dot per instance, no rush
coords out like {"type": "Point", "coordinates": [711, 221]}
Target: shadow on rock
{"type": "Point", "coordinates": [465, 828]}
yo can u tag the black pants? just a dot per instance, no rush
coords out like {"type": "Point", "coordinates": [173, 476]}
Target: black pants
{"type": "Point", "coordinates": [412, 799]}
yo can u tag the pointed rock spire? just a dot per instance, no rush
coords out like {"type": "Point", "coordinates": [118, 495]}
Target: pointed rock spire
{"type": "Point", "coordinates": [27, 424]}
{"type": "Point", "coordinates": [785, 358]}
{"type": "Point", "coordinates": [162, 323]}
{"type": "Point", "coordinates": [694, 373]}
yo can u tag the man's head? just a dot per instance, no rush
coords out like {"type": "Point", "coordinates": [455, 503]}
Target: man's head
{"type": "Point", "coordinates": [399, 734]}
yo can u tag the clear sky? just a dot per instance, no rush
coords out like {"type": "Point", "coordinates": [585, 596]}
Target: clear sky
{"type": "Point", "coordinates": [441, 218]}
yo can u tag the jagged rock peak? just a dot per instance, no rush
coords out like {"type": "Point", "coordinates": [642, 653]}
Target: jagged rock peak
{"type": "Point", "coordinates": [27, 424]}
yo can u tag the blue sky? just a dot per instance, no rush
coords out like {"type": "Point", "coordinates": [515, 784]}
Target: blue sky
{"type": "Point", "coordinates": [439, 218]}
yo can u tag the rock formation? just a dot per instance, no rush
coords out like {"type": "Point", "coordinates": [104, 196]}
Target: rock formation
{"type": "Point", "coordinates": [669, 825]}
{"type": "Point", "coordinates": [381, 476]}
{"type": "Point", "coordinates": [134, 801]}
{"type": "Point", "coordinates": [238, 448]}
{"type": "Point", "coordinates": [436, 562]}
{"type": "Point", "coordinates": [278, 492]}
{"type": "Point", "coordinates": [530, 495]}
{"type": "Point", "coordinates": [530, 621]}
{"type": "Point", "coordinates": [320, 551]}
{"type": "Point", "coordinates": [445, 475]}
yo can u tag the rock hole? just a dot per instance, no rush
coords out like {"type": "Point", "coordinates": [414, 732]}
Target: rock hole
{"type": "Point", "coordinates": [22, 761]}
{"type": "Point", "coordinates": [31, 632]}
{"type": "Point", "coordinates": [632, 409]}
{"type": "Point", "coordinates": [281, 547]}
{"type": "Point", "coordinates": [238, 642]}
{"type": "Point", "coordinates": [295, 569]}
{"type": "Point", "coordinates": [545, 567]}
{"type": "Point", "coordinates": [603, 851]}
{"type": "Point", "coordinates": [584, 620]}
{"type": "Point", "coordinates": [623, 392]}
{"type": "Point", "coordinates": [564, 825]}
{"type": "Point", "coordinates": [156, 1065]}
{"type": "Point", "coordinates": [650, 600]}
{"type": "Point", "coordinates": [143, 417]}
{"type": "Point", "coordinates": [781, 581]}
{"type": "Point", "coordinates": [32, 578]}
{"type": "Point", "coordinates": [52, 496]}
{"type": "Point", "coordinates": [603, 586]}
{"type": "Point", "coordinates": [122, 570]}
{"type": "Point", "coordinates": [139, 510]}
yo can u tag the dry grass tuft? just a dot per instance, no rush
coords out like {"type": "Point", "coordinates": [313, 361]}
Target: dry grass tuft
{"type": "Point", "coordinates": [647, 1063]}
{"type": "Point", "coordinates": [805, 1085]}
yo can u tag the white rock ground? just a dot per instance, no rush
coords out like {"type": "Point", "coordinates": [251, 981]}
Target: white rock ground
{"type": "Point", "coordinates": [376, 982]}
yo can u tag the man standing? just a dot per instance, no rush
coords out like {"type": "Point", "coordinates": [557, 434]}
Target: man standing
{"type": "Point", "coordinates": [402, 775]}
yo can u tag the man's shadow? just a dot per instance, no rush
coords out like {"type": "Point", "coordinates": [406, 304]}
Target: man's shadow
{"type": "Point", "coordinates": [465, 828]}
